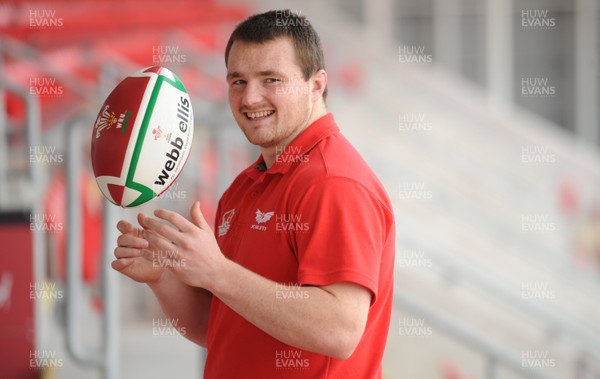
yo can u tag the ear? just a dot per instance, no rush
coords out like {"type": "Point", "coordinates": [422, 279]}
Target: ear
{"type": "Point", "coordinates": [319, 80]}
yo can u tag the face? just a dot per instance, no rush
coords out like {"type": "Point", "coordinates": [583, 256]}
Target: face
{"type": "Point", "coordinates": [269, 98]}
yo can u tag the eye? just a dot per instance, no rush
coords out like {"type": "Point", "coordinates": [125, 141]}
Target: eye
{"type": "Point", "coordinates": [238, 82]}
{"type": "Point", "coordinates": [272, 80]}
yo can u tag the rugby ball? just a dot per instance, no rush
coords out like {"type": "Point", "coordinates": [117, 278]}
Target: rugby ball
{"type": "Point", "coordinates": [142, 137]}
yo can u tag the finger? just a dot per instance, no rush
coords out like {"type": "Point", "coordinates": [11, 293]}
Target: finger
{"type": "Point", "coordinates": [128, 240]}
{"type": "Point", "coordinates": [125, 227]}
{"type": "Point", "coordinates": [149, 255]}
{"type": "Point", "coordinates": [161, 258]}
{"type": "Point", "coordinates": [121, 264]}
{"type": "Point", "coordinates": [159, 243]}
{"type": "Point", "coordinates": [174, 218]}
{"type": "Point", "coordinates": [159, 228]}
{"type": "Point", "coordinates": [197, 216]}
{"type": "Point", "coordinates": [127, 252]}
{"type": "Point", "coordinates": [142, 219]}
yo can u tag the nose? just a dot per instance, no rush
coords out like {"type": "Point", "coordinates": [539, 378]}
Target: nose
{"type": "Point", "coordinates": [252, 95]}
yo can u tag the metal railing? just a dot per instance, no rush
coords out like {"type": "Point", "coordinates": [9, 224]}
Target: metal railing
{"type": "Point", "coordinates": [31, 189]}
{"type": "Point", "coordinates": [495, 354]}
{"type": "Point", "coordinates": [108, 360]}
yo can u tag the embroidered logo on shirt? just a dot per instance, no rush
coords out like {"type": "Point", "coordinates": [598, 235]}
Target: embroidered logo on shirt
{"type": "Point", "coordinates": [226, 222]}
{"type": "Point", "coordinates": [261, 218]}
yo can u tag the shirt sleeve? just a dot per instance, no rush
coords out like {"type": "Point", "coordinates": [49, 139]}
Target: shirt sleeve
{"type": "Point", "coordinates": [347, 228]}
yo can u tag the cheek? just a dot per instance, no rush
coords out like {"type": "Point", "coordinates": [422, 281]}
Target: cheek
{"type": "Point", "coordinates": [292, 96]}
{"type": "Point", "coordinates": [234, 103]}
{"type": "Point", "coordinates": [300, 100]}
{"type": "Point", "coordinates": [232, 96]}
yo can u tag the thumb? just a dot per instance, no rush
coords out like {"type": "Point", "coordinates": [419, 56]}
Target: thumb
{"type": "Point", "coordinates": [198, 217]}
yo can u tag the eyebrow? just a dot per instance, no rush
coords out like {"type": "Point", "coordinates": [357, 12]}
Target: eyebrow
{"type": "Point", "coordinates": [235, 74]}
{"type": "Point", "coordinates": [270, 73]}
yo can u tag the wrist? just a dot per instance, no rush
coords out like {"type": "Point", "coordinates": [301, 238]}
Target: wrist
{"type": "Point", "coordinates": [160, 280]}
{"type": "Point", "coordinates": [222, 277]}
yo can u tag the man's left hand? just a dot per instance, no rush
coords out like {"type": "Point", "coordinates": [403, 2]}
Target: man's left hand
{"type": "Point", "coordinates": [188, 248]}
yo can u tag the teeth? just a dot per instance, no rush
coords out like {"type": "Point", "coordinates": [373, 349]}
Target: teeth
{"type": "Point", "coordinates": [259, 114]}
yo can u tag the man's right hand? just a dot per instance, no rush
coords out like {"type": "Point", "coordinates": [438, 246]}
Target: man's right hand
{"type": "Point", "coordinates": [129, 252]}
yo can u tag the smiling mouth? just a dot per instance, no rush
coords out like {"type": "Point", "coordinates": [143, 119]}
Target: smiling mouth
{"type": "Point", "coordinates": [258, 115]}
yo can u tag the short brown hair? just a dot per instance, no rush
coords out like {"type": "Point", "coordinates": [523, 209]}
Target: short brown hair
{"type": "Point", "coordinates": [267, 26]}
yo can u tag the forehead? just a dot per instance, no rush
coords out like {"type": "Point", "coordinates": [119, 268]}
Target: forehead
{"type": "Point", "coordinates": [248, 57]}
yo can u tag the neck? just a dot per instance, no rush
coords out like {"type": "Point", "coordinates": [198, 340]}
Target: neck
{"type": "Point", "coordinates": [269, 154]}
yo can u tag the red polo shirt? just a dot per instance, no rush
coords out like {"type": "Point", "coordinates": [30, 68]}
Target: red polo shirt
{"type": "Point", "coordinates": [318, 216]}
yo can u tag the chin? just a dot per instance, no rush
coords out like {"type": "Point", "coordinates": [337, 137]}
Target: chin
{"type": "Point", "coordinates": [258, 140]}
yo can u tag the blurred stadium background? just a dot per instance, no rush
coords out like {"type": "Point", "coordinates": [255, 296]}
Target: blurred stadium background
{"type": "Point", "coordinates": [480, 117]}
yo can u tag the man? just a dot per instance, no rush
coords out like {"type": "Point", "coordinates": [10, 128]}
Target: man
{"type": "Point", "coordinates": [297, 280]}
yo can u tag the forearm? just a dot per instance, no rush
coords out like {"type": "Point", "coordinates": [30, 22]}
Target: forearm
{"type": "Point", "coordinates": [187, 306]}
{"type": "Point", "coordinates": [309, 318]}
{"type": "Point", "coordinates": [329, 320]}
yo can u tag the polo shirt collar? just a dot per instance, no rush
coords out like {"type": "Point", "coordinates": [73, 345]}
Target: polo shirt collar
{"type": "Point", "coordinates": [301, 145]}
